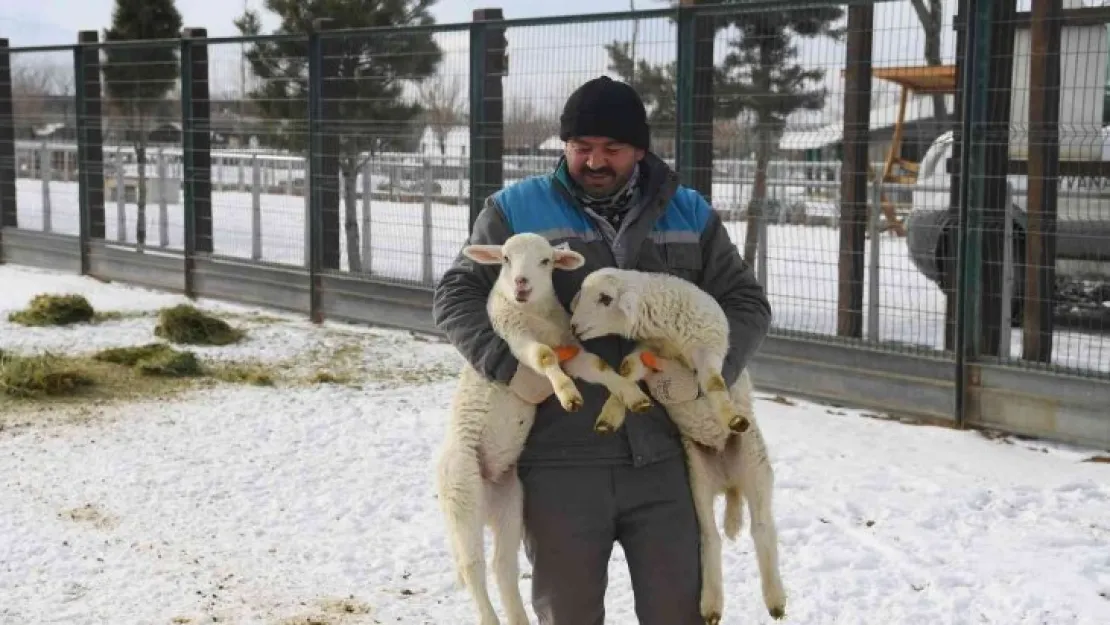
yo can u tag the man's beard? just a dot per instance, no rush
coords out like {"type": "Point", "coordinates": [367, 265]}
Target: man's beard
{"type": "Point", "coordinates": [613, 183]}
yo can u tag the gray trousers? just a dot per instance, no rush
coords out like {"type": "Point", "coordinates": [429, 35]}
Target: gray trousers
{"type": "Point", "coordinates": [573, 515]}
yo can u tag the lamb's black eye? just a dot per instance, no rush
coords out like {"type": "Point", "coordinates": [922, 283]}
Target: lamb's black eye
{"type": "Point", "coordinates": [545, 262]}
{"type": "Point", "coordinates": [604, 299]}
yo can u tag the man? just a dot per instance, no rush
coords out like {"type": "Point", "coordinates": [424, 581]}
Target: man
{"type": "Point", "coordinates": [617, 204]}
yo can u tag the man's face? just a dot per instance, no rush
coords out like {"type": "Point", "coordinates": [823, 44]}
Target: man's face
{"type": "Point", "coordinates": [601, 165]}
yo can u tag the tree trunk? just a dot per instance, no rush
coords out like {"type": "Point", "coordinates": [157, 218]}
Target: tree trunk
{"type": "Point", "coordinates": [931, 21]}
{"type": "Point", "coordinates": [759, 192]}
{"type": "Point", "coordinates": [932, 57]}
{"type": "Point", "coordinates": [762, 79]}
{"type": "Point", "coordinates": [350, 200]}
{"type": "Point", "coordinates": [140, 199]}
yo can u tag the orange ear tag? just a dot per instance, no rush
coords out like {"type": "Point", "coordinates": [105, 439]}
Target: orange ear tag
{"type": "Point", "coordinates": [650, 361]}
{"type": "Point", "coordinates": [566, 352]}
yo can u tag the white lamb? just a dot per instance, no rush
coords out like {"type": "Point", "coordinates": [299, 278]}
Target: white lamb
{"type": "Point", "coordinates": [476, 481]}
{"type": "Point", "coordinates": [675, 319]}
{"type": "Point", "coordinates": [670, 317]}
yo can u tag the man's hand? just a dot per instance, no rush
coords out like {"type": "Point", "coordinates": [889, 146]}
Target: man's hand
{"type": "Point", "coordinates": [530, 386]}
{"type": "Point", "coordinates": [669, 382]}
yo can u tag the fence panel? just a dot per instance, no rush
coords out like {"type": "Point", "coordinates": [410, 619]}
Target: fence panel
{"type": "Point", "coordinates": [43, 123]}
{"type": "Point", "coordinates": [394, 107]}
{"type": "Point", "coordinates": [259, 136]}
{"type": "Point", "coordinates": [1049, 159]}
{"type": "Point", "coordinates": [142, 145]}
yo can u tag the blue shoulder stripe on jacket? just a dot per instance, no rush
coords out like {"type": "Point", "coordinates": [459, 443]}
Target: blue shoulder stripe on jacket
{"type": "Point", "coordinates": [532, 205]}
{"type": "Point", "coordinates": [687, 212]}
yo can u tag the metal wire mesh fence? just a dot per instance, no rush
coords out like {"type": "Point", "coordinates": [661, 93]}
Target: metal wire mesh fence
{"type": "Point", "coordinates": [829, 137]}
{"type": "Point", "coordinates": [42, 104]}
{"type": "Point", "coordinates": [1044, 225]}
{"type": "Point", "coordinates": [259, 138]}
{"type": "Point", "coordinates": [141, 133]}
{"type": "Point", "coordinates": [393, 105]}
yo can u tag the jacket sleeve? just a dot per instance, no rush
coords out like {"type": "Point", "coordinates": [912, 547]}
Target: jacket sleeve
{"type": "Point", "coordinates": [459, 302]}
{"type": "Point", "coordinates": [730, 280]}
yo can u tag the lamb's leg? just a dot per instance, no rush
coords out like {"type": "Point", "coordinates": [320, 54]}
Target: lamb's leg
{"type": "Point", "coordinates": [625, 392]}
{"type": "Point", "coordinates": [611, 417]}
{"type": "Point", "coordinates": [507, 517]}
{"type": "Point", "coordinates": [712, 575]}
{"type": "Point", "coordinates": [708, 369]}
{"type": "Point", "coordinates": [462, 498]}
{"type": "Point", "coordinates": [543, 359]}
{"type": "Point", "coordinates": [693, 417]}
{"type": "Point", "coordinates": [757, 481]}
{"type": "Point", "coordinates": [593, 369]}
{"type": "Point", "coordinates": [696, 421]}
{"type": "Point", "coordinates": [734, 512]}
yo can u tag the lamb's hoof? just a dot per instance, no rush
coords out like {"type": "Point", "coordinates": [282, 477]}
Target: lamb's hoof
{"type": "Point", "coordinates": [642, 405]}
{"type": "Point", "coordinates": [713, 619]}
{"type": "Point", "coordinates": [739, 424]}
{"type": "Point", "coordinates": [574, 404]}
{"type": "Point", "coordinates": [778, 612]}
{"type": "Point", "coordinates": [604, 428]}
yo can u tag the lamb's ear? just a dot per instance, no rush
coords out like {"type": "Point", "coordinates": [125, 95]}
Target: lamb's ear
{"type": "Point", "coordinates": [568, 260]}
{"type": "Point", "coordinates": [484, 254]}
{"type": "Point", "coordinates": [628, 300]}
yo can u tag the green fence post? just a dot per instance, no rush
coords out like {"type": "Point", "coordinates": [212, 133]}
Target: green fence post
{"type": "Point", "coordinates": [79, 105]}
{"type": "Point", "coordinates": [196, 151]}
{"type": "Point", "coordinates": [8, 214]}
{"type": "Point", "coordinates": [855, 200]}
{"type": "Point", "coordinates": [196, 158]}
{"type": "Point", "coordinates": [684, 92]}
{"type": "Point", "coordinates": [90, 144]}
{"type": "Point", "coordinates": [322, 174]}
{"type": "Point", "coordinates": [694, 99]}
{"type": "Point", "coordinates": [971, 191]}
{"type": "Point", "coordinates": [487, 66]}
{"type": "Point", "coordinates": [315, 147]}
{"type": "Point", "coordinates": [197, 109]}
{"type": "Point", "coordinates": [327, 156]}
{"type": "Point", "coordinates": [188, 202]}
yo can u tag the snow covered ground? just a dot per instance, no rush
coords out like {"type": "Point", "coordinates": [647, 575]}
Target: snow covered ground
{"type": "Point", "coordinates": [242, 504]}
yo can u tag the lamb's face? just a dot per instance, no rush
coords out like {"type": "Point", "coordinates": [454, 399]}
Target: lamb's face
{"type": "Point", "coordinates": [605, 304]}
{"type": "Point", "coordinates": [527, 261]}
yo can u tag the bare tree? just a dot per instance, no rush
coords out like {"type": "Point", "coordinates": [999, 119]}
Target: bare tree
{"type": "Point", "coordinates": [526, 126]}
{"type": "Point", "coordinates": [931, 15]}
{"type": "Point", "coordinates": [732, 138]}
{"type": "Point", "coordinates": [34, 87]}
{"type": "Point", "coordinates": [442, 99]}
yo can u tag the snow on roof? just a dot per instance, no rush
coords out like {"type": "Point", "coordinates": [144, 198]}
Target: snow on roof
{"type": "Point", "coordinates": [917, 107]}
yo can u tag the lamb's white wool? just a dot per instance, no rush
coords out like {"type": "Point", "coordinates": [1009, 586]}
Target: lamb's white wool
{"type": "Point", "coordinates": [476, 478]}
{"type": "Point", "coordinates": [741, 471]}
{"type": "Point", "coordinates": [669, 316]}
{"type": "Point", "coordinates": [477, 486]}
{"type": "Point", "coordinates": [677, 320]}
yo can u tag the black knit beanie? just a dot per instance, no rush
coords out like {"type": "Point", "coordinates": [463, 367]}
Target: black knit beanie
{"type": "Point", "coordinates": [604, 107]}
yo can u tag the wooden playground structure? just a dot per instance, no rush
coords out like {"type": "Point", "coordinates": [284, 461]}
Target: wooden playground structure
{"type": "Point", "coordinates": [918, 80]}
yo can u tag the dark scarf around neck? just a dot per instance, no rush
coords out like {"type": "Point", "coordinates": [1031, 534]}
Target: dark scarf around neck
{"type": "Point", "coordinates": [613, 206]}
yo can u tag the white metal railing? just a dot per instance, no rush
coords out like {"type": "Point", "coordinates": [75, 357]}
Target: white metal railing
{"type": "Point", "coordinates": [424, 179]}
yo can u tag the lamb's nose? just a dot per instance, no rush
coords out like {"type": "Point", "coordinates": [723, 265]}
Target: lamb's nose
{"type": "Point", "coordinates": [521, 281]}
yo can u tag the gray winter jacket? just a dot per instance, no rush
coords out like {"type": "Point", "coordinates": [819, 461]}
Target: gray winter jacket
{"type": "Point", "coordinates": [670, 228]}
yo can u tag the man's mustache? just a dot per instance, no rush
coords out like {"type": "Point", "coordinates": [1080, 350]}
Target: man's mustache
{"type": "Point", "coordinates": [603, 171]}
